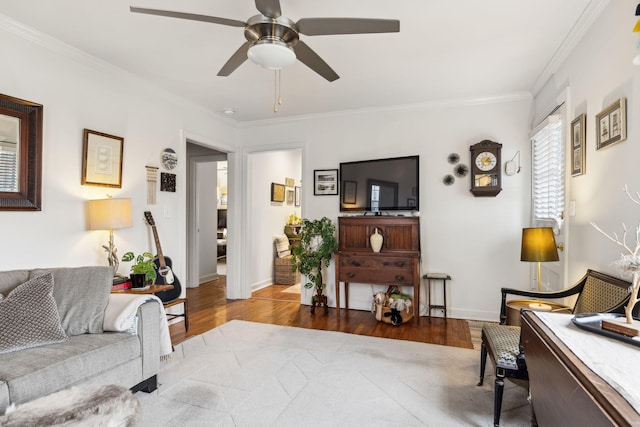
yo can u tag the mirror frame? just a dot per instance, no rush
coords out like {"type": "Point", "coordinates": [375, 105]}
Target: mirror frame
{"type": "Point", "coordinates": [29, 194]}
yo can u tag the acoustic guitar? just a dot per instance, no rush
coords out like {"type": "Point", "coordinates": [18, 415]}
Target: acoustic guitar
{"type": "Point", "coordinates": [163, 264]}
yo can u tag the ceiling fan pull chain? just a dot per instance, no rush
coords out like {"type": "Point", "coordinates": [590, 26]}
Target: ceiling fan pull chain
{"type": "Point", "coordinates": [275, 91]}
{"type": "Point", "coordinates": [277, 85]}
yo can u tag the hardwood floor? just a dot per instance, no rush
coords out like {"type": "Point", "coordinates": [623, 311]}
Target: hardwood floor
{"type": "Point", "coordinates": [209, 308]}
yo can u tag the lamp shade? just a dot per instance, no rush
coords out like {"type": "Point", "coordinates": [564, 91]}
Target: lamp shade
{"type": "Point", "coordinates": [109, 214]}
{"type": "Point", "coordinates": [538, 245]}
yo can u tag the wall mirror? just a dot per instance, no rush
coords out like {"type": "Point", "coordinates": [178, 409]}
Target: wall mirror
{"type": "Point", "coordinates": [20, 154]}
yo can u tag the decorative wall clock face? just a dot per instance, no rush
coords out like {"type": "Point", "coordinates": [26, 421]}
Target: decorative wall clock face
{"type": "Point", "coordinates": [486, 178]}
{"type": "Point", "coordinates": [486, 161]}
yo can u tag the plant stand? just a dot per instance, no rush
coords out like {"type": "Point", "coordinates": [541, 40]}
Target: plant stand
{"type": "Point", "coordinates": [319, 301]}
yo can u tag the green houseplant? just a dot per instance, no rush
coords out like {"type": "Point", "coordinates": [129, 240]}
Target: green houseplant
{"type": "Point", "coordinates": [144, 264]}
{"type": "Point", "coordinates": [317, 244]}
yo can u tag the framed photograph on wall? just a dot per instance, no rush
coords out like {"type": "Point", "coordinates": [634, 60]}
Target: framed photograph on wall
{"type": "Point", "coordinates": [325, 182]}
{"type": "Point", "coordinates": [578, 136]}
{"type": "Point", "coordinates": [349, 191]}
{"type": "Point", "coordinates": [277, 192]}
{"type": "Point", "coordinates": [102, 159]}
{"type": "Point", "coordinates": [297, 196]}
{"type": "Point", "coordinates": [289, 197]}
{"type": "Point", "coordinates": [611, 124]}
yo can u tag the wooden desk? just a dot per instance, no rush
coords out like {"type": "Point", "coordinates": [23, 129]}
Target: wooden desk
{"type": "Point", "coordinates": [564, 391]}
{"type": "Point", "coordinates": [398, 263]}
{"type": "Point", "coordinates": [152, 289]}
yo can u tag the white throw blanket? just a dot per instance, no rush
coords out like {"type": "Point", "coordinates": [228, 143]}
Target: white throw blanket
{"type": "Point", "coordinates": [120, 316]}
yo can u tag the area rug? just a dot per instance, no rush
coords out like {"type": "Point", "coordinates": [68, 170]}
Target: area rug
{"type": "Point", "coordinates": [253, 374]}
{"type": "Point", "coordinates": [293, 289]}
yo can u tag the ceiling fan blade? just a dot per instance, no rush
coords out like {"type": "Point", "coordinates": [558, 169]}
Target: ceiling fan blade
{"type": "Point", "coordinates": [189, 16]}
{"type": "Point", "coordinates": [328, 26]}
{"type": "Point", "coordinates": [270, 8]}
{"type": "Point", "coordinates": [311, 59]}
{"type": "Point", "coordinates": [235, 61]}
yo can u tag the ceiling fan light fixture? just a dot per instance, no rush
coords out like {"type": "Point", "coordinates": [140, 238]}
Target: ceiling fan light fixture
{"type": "Point", "coordinates": [271, 54]}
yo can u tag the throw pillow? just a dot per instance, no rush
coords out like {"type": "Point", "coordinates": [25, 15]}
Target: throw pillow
{"type": "Point", "coordinates": [282, 246]}
{"type": "Point", "coordinates": [29, 316]}
{"type": "Point", "coordinates": [82, 294]}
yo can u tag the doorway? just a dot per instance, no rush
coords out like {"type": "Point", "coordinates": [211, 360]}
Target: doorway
{"type": "Point", "coordinates": [206, 175]}
{"type": "Point", "coordinates": [268, 215]}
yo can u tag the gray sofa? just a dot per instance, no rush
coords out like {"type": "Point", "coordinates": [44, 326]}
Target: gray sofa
{"type": "Point", "coordinates": [84, 354]}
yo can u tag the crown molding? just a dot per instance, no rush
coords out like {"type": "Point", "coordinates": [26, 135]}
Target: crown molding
{"type": "Point", "coordinates": [582, 25]}
{"type": "Point", "coordinates": [439, 103]}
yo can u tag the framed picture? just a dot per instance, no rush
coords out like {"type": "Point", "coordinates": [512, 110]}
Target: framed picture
{"type": "Point", "coordinates": [102, 159]}
{"type": "Point", "coordinates": [411, 202]}
{"type": "Point", "coordinates": [349, 189]}
{"type": "Point", "coordinates": [277, 192]}
{"type": "Point", "coordinates": [325, 182]}
{"type": "Point", "coordinates": [289, 182]}
{"type": "Point", "coordinates": [289, 197]}
{"type": "Point", "coordinates": [611, 124]}
{"type": "Point", "coordinates": [578, 152]}
{"type": "Point", "coordinates": [297, 196]}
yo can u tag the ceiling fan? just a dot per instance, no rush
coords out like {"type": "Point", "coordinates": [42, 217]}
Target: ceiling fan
{"type": "Point", "coordinates": [273, 40]}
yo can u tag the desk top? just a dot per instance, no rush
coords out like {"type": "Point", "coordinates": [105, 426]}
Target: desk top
{"type": "Point", "coordinates": [613, 361]}
{"type": "Point", "coordinates": [151, 289]}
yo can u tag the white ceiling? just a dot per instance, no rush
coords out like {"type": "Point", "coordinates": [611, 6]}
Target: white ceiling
{"type": "Point", "coordinates": [445, 50]}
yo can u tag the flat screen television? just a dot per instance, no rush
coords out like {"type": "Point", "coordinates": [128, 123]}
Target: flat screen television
{"type": "Point", "coordinates": [380, 185]}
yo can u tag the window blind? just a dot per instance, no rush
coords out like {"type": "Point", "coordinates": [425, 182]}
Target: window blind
{"type": "Point", "coordinates": [547, 187]}
{"type": "Point", "coordinates": [8, 167]}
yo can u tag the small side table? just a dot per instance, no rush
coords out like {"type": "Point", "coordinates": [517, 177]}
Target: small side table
{"type": "Point", "coordinates": [437, 276]}
{"type": "Point", "coordinates": [150, 289]}
{"type": "Point", "coordinates": [515, 305]}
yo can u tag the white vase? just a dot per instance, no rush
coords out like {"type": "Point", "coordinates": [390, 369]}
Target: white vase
{"type": "Point", "coordinates": [376, 241]}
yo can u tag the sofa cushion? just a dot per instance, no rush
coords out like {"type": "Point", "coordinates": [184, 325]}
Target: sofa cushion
{"type": "Point", "coordinates": [82, 294]}
{"type": "Point", "coordinates": [11, 279]}
{"type": "Point", "coordinates": [39, 371]}
{"type": "Point", "coordinates": [29, 316]}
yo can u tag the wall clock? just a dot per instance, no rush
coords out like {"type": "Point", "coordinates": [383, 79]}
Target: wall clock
{"type": "Point", "coordinates": [486, 170]}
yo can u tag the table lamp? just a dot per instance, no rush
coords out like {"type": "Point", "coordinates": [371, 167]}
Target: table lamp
{"type": "Point", "coordinates": [539, 245]}
{"type": "Point", "coordinates": [109, 214]}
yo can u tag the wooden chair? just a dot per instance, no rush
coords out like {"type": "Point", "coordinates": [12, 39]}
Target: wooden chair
{"type": "Point", "coordinates": [184, 314]}
{"type": "Point", "coordinates": [597, 293]}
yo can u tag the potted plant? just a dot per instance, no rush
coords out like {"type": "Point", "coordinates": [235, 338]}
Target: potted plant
{"type": "Point", "coordinates": [293, 225]}
{"type": "Point", "coordinates": [143, 271]}
{"type": "Point", "coordinates": [317, 244]}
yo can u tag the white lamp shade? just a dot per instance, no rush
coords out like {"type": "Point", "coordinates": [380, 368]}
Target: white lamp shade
{"type": "Point", "coordinates": [271, 54]}
{"type": "Point", "coordinates": [109, 214]}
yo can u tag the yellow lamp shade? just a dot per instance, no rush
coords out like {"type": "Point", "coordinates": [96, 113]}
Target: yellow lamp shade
{"type": "Point", "coordinates": [538, 245]}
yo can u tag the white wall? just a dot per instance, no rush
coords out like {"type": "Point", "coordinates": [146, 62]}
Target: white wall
{"type": "Point", "coordinates": [598, 72]}
{"type": "Point", "coordinates": [78, 92]}
{"type": "Point", "coordinates": [268, 218]}
{"type": "Point", "coordinates": [475, 240]}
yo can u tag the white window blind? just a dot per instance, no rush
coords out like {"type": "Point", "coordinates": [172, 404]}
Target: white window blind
{"type": "Point", "coordinates": [548, 174]}
{"type": "Point", "coordinates": [8, 167]}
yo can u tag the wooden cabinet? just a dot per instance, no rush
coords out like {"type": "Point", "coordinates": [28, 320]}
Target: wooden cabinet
{"type": "Point", "coordinates": [397, 263]}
